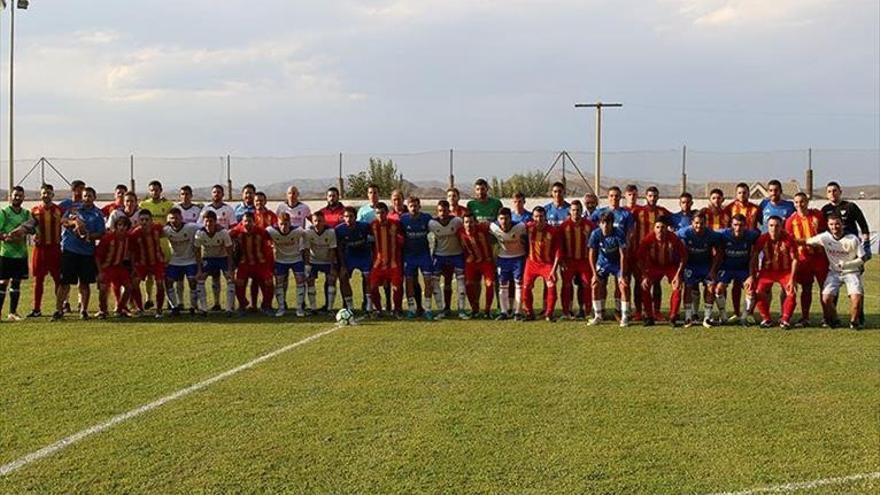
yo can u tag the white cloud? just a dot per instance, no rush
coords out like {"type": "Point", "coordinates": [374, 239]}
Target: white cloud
{"type": "Point", "coordinates": [768, 13]}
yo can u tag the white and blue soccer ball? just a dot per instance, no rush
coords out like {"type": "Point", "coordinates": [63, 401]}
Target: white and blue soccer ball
{"type": "Point", "coordinates": [344, 317]}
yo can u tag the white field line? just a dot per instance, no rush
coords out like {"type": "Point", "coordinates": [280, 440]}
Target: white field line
{"type": "Point", "coordinates": [805, 485]}
{"type": "Point", "coordinates": [115, 420]}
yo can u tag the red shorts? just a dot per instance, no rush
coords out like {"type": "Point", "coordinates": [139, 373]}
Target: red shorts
{"type": "Point", "coordinates": [115, 275]}
{"type": "Point", "coordinates": [382, 276]}
{"type": "Point", "coordinates": [766, 280]}
{"type": "Point", "coordinates": [656, 274]}
{"type": "Point", "coordinates": [260, 272]}
{"type": "Point", "coordinates": [157, 270]}
{"type": "Point", "coordinates": [46, 260]}
{"type": "Point", "coordinates": [577, 269]}
{"type": "Point", "coordinates": [473, 271]}
{"type": "Point", "coordinates": [813, 268]}
{"type": "Point", "coordinates": [534, 271]}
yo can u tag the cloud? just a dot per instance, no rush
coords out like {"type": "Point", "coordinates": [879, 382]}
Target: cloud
{"type": "Point", "coordinates": [775, 13]}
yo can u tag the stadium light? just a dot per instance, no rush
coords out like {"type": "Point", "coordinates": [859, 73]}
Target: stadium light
{"type": "Point", "coordinates": [598, 106]}
{"type": "Point", "coordinates": [23, 5]}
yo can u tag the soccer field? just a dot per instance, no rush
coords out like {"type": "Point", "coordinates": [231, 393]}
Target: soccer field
{"type": "Point", "coordinates": [441, 407]}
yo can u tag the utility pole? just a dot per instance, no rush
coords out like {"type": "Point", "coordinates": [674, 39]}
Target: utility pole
{"type": "Point", "coordinates": [229, 177]}
{"type": "Point", "coordinates": [131, 172]}
{"type": "Point", "coordinates": [598, 106]}
{"type": "Point", "coordinates": [684, 177]}
{"type": "Point", "coordinates": [341, 181]}
{"type": "Point", "coordinates": [810, 173]}
{"type": "Point", "coordinates": [451, 165]}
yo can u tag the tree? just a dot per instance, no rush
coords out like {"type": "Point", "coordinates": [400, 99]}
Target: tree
{"type": "Point", "coordinates": [532, 184]}
{"type": "Point", "coordinates": [381, 173]}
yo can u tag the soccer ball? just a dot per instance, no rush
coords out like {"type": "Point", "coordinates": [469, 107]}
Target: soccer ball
{"type": "Point", "coordinates": [344, 316]}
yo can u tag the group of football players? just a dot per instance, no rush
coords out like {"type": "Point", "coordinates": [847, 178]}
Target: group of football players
{"type": "Point", "coordinates": [146, 251]}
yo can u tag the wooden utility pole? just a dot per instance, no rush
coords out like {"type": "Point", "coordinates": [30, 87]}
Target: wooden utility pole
{"type": "Point", "coordinates": [598, 106]}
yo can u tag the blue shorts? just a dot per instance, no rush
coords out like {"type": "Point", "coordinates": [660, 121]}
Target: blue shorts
{"type": "Point", "coordinates": [320, 268]}
{"type": "Point", "coordinates": [696, 275]}
{"type": "Point", "coordinates": [362, 264]}
{"type": "Point", "coordinates": [412, 265]}
{"type": "Point", "coordinates": [510, 269]}
{"type": "Point", "coordinates": [727, 276]}
{"type": "Point", "coordinates": [603, 271]}
{"type": "Point", "coordinates": [282, 269]}
{"type": "Point", "coordinates": [455, 261]}
{"type": "Point", "coordinates": [215, 266]}
{"type": "Point", "coordinates": [175, 272]}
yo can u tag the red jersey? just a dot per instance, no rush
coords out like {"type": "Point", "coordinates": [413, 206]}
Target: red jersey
{"type": "Point", "coordinates": [146, 249]}
{"type": "Point", "coordinates": [254, 246]}
{"type": "Point", "coordinates": [575, 237]}
{"type": "Point", "coordinates": [395, 214]}
{"type": "Point", "coordinates": [716, 218]}
{"type": "Point", "coordinates": [802, 227]}
{"type": "Point", "coordinates": [265, 218]}
{"type": "Point", "coordinates": [111, 250]}
{"type": "Point", "coordinates": [778, 255]}
{"type": "Point", "coordinates": [666, 252]}
{"type": "Point", "coordinates": [544, 245]}
{"type": "Point", "coordinates": [748, 209]}
{"type": "Point", "coordinates": [387, 243]}
{"type": "Point", "coordinates": [48, 227]}
{"type": "Point", "coordinates": [333, 214]}
{"type": "Point", "coordinates": [459, 211]}
{"type": "Point", "coordinates": [109, 208]}
{"type": "Point", "coordinates": [645, 216]}
{"type": "Point", "coordinates": [477, 247]}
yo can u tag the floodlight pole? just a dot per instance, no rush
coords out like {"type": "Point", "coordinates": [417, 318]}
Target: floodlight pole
{"type": "Point", "coordinates": [598, 106]}
{"type": "Point", "coordinates": [11, 99]}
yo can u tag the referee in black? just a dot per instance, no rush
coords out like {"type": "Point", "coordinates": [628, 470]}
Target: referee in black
{"type": "Point", "coordinates": [853, 222]}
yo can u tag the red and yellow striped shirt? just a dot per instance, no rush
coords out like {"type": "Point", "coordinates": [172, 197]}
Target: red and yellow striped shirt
{"type": "Point", "coordinates": [477, 247]}
{"type": "Point", "coordinates": [802, 227]}
{"type": "Point", "coordinates": [387, 241]}
{"type": "Point", "coordinates": [543, 244]}
{"type": "Point", "coordinates": [716, 218]}
{"type": "Point", "coordinates": [645, 216]}
{"type": "Point", "coordinates": [48, 228]}
{"type": "Point", "coordinates": [575, 237]}
{"type": "Point", "coordinates": [111, 250]}
{"type": "Point", "coordinates": [667, 252]}
{"type": "Point", "coordinates": [778, 255]}
{"type": "Point", "coordinates": [254, 245]}
{"type": "Point", "coordinates": [748, 209]}
{"type": "Point", "coordinates": [265, 218]}
{"type": "Point", "coordinates": [147, 250]}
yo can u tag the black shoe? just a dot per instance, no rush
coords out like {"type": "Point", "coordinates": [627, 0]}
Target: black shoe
{"type": "Point", "coordinates": [35, 314]}
{"type": "Point", "coordinates": [149, 305]}
{"type": "Point", "coordinates": [785, 325]}
{"type": "Point", "coordinates": [66, 307]}
{"type": "Point", "coordinates": [83, 315]}
{"type": "Point", "coordinates": [766, 324]}
{"type": "Point", "coordinates": [855, 325]}
{"type": "Point", "coordinates": [175, 312]}
{"type": "Point", "coordinates": [649, 322]}
{"type": "Point", "coordinates": [216, 307]}
{"type": "Point", "coordinates": [57, 316]}
{"type": "Point", "coordinates": [501, 317]}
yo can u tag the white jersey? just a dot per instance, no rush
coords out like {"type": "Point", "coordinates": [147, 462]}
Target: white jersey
{"type": "Point", "coordinates": [446, 242]}
{"type": "Point", "coordinates": [182, 241]}
{"type": "Point", "coordinates": [213, 246]}
{"type": "Point", "coordinates": [288, 247]}
{"type": "Point", "coordinates": [119, 213]}
{"type": "Point", "coordinates": [840, 251]}
{"type": "Point", "coordinates": [193, 214]}
{"type": "Point", "coordinates": [322, 247]}
{"type": "Point", "coordinates": [299, 214]}
{"type": "Point", "coordinates": [225, 214]}
{"type": "Point", "coordinates": [512, 243]}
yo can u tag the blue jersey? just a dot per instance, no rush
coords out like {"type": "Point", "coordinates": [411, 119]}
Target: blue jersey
{"type": "Point", "coordinates": [415, 234]}
{"type": "Point", "coordinates": [242, 208]}
{"type": "Point", "coordinates": [623, 219]}
{"type": "Point", "coordinates": [71, 242]}
{"type": "Point", "coordinates": [557, 214]}
{"type": "Point", "coordinates": [355, 241]}
{"type": "Point", "coordinates": [608, 246]}
{"type": "Point", "coordinates": [737, 252]}
{"type": "Point", "coordinates": [681, 220]}
{"type": "Point", "coordinates": [699, 247]}
{"type": "Point", "coordinates": [69, 204]}
{"type": "Point", "coordinates": [526, 217]}
{"type": "Point", "coordinates": [783, 209]}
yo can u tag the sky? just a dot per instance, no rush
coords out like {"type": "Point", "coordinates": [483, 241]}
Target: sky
{"type": "Point", "coordinates": [278, 78]}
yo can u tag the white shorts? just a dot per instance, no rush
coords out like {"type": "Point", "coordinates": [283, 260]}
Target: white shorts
{"type": "Point", "coordinates": [852, 280]}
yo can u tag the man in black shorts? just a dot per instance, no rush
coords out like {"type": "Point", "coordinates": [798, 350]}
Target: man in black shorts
{"type": "Point", "coordinates": [81, 227]}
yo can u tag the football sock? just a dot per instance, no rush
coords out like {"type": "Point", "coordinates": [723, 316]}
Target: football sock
{"type": "Point", "coordinates": [504, 298]}
{"type": "Point", "coordinates": [230, 296]}
{"type": "Point", "coordinates": [707, 311]}
{"type": "Point", "coordinates": [14, 295]}
{"type": "Point", "coordinates": [517, 297]}
{"type": "Point", "coordinates": [193, 294]}
{"type": "Point", "coordinates": [617, 304]}
{"type": "Point", "coordinates": [461, 286]}
{"type": "Point", "coordinates": [313, 298]}
{"type": "Point", "coordinates": [179, 287]}
{"type": "Point", "coordinates": [170, 293]}
{"type": "Point", "coordinates": [598, 308]}
{"type": "Point", "coordinates": [689, 311]}
{"type": "Point", "coordinates": [300, 295]}
{"type": "Point", "coordinates": [411, 304]}
{"type": "Point", "coordinates": [624, 310]}
{"type": "Point", "coordinates": [215, 286]}
{"type": "Point", "coordinates": [279, 293]}
{"type": "Point", "coordinates": [331, 296]}
{"type": "Point", "coordinates": [149, 284]}
{"type": "Point", "coordinates": [3, 286]}
{"type": "Point", "coordinates": [438, 294]}
{"type": "Point", "coordinates": [203, 295]}
{"type": "Point", "coordinates": [347, 301]}
{"type": "Point", "coordinates": [721, 303]}
{"type": "Point", "coordinates": [750, 305]}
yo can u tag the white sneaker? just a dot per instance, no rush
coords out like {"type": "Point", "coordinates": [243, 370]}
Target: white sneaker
{"type": "Point", "coordinates": [596, 320]}
{"type": "Point", "coordinates": [280, 313]}
{"type": "Point", "coordinates": [300, 313]}
{"type": "Point", "coordinates": [707, 322]}
{"type": "Point", "coordinates": [624, 322]}
{"type": "Point", "coordinates": [14, 317]}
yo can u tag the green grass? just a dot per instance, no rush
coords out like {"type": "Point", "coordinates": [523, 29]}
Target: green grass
{"type": "Point", "coordinates": [451, 407]}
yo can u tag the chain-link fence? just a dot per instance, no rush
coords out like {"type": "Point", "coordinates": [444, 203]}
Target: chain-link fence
{"type": "Point", "coordinates": [431, 170]}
